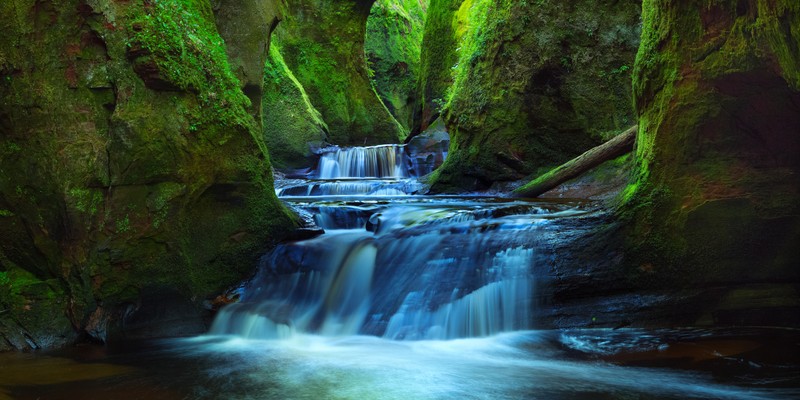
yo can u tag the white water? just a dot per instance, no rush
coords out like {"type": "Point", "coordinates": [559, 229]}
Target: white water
{"type": "Point", "coordinates": [520, 365]}
{"type": "Point", "coordinates": [387, 161]}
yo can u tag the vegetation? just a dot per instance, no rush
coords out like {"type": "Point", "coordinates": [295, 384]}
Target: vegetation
{"type": "Point", "coordinates": [134, 135]}
{"type": "Point", "coordinates": [292, 126]}
{"type": "Point", "coordinates": [142, 165]}
{"type": "Point", "coordinates": [322, 43]}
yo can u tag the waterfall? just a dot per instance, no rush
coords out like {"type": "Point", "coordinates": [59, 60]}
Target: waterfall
{"type": "Point", "coordinates": [501, 306]}
{"type": "Point", "coordinates": [381, 162]}
{"type": "Point", "coordinates": [424, 271]}
{"type": "Point", "coordinates": [331, 301]}
{"type": "Point", "coordinates": [392, 264]}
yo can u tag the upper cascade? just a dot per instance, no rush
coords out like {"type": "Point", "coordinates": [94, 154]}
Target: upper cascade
{"type": "Point", "coordinates": [381, 162]}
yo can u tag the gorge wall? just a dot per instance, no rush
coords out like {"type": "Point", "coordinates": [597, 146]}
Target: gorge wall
{"type": "Point", "coordinates": [322, 44]}
{"type": "Point", "coordinates": [393, 44]}
{"type": "Point", "coordinates": [135, 180]}
{"type": "Point", "coordinates": [524, 85]}
{"type": "Point", "coordinates": [716, 193]}
{"type": "Point", "coordinates": [133, 170]}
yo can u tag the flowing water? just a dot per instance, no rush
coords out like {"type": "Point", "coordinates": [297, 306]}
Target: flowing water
{"type": "Point", "coordinates": [416, 297]}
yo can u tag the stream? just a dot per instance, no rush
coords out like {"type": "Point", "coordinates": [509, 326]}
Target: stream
{"type": "Point", "coordinates": [409, 296]}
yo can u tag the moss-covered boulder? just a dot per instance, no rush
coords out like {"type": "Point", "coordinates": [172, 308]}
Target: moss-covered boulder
{"type": "Point", "coordinates": [394, 38]}
{"type": "Point", "coordinates": [534, 83]}
{"type": "Point", "coordinates": [716, 196]}
{"type": "Point", "coordinates": [128, 161]}
{"type": "Point", "coordinates": [322, 43]}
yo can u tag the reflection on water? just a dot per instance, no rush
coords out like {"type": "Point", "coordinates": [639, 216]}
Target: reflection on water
{"type": "Point", "coordinates": [580, 364]}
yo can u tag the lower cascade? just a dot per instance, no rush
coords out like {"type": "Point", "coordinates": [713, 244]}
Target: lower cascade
{"type": "Point", "coordinates": [410, 268]}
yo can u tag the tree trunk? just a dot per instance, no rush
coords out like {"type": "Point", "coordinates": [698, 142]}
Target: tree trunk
{"type": "Point", "coordinates": [619, 145]}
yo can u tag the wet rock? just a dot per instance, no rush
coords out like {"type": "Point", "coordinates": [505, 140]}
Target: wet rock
{"type": "Point", "coordinates": [428, 150]}
{"type": "Point", "coordinates": [164, 312]}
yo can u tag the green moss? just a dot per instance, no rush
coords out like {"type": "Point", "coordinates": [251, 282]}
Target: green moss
{"type": "Point", "coordinates": [86, 200]}
{"type": "Point", "coordinates": [130, 134]}
{"type": "Point", "coordinates": [533, 84]}
{"type": "Point", "coordinates": [393, 43]}
{"type": "Point", "coordinates": [702, 78]}
{"type": "Point", "coordinates": [183, 42]}
{"type": "Point", "coordinates": [438, 56]}
{"type": "Point", "coordinates": [292, 126]}
{"type": "Point", "coordinates": [322, 43]}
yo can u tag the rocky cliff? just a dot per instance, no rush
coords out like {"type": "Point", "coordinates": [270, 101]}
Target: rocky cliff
{"type": "Point", "coordinates": [525, 85]}
{"type": "Point", "coordinates": [394, 39]}
{"type": "Point", "coordinates": [131, 164]}
{"type": "Point", "coordinates": [717, 182]}
{"type": "Point", "coordinates": [322, 44]}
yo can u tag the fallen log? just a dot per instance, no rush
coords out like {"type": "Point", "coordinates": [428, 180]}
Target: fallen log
{"type": "Point", "coordinates": [619, 145]}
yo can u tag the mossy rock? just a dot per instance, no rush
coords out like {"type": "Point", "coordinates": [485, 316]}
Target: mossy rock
{"type": "Point", "coordinates": [129, 159]}
{"type": "Point", "coordinates": [394, 39]}
{"type": "Point", "coordinates": [716, 194]}
{"type": "Point", "coordinates": [322, 43]}
{"type": "Point", "coordinates": [534, 84]}
{"type": "Point", "coordinates": [293, 128]}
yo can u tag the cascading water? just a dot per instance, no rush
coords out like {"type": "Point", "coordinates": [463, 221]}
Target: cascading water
{"type": "Point", "coordinates": [418, 268]}
{"type": "Point", "coordinates": [357, 171]}
{"type": "Point", "coordinates": [386, 161]}
{"type": "Point", "coordinates": [424, 297]}
{"type": "Point", "coordinates": [414, 297]}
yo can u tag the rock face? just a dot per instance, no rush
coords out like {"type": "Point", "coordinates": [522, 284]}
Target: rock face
{"type": "Point", "coordinates": [246, 27]}
{"type": "Point", "coordinates": [438, 55]}
{"type": "Point", "coordinates": [293, 127]}
{"type": "Point", "coordinates": [129, 163]}
{"type": "Point", "coordinates": [394, 38]}
{"type": "Point", "coordinates": [533, 83]}
{"type": "Point", "coordinates": [322, 43]}
{"type": "Point", "coordinates": [428, 150]}
{"type": "Point", "coordinates": [716, 196]}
